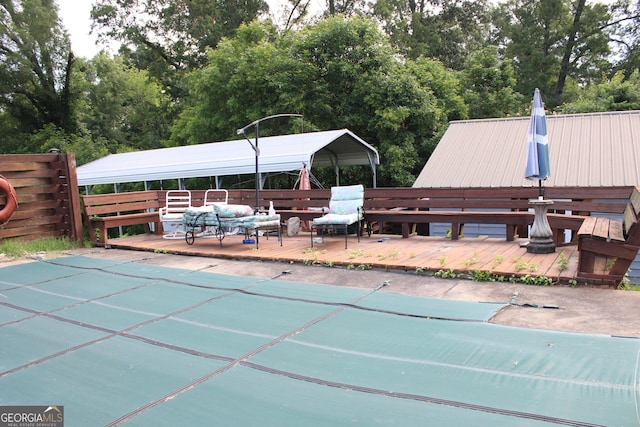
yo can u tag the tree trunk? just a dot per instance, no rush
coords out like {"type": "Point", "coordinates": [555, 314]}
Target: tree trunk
{"type": "Point", "coordinates": [566, 58]}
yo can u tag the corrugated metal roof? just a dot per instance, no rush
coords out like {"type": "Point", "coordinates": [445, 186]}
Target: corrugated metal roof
{"type": "Point", "coordinates": [586, 150]}
{"type": "Point", "coordinates": [277, 154]}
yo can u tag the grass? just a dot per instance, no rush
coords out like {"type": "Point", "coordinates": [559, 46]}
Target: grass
{"type": "Point", "coordinates": [18, 248]}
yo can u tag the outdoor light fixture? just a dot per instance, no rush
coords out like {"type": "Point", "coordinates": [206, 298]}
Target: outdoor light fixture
{"type": "Point", "coordinates": [256, 148]}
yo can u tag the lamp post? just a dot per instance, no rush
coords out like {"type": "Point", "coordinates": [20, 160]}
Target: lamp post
{"type": "Point", "coordinates": [256, 148]}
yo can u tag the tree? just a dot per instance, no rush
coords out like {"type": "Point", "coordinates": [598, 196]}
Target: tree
{"type": "Point", "coordinates": [552, 41]}
{"type": "Point", "coordinates": [119, 108]}
{"type": "Point", "coordinates": [178, 33]}
{"type": "Point", "coordinates": [36, 65]}
{"type": "Point", "coordinates": [123, 106]}
{"type": "Point", "coordinates": [291, 14]}
{"type": "Point", "coordinates": [344, 7]}
{"type": "Point", "coordinates": [618, 94]}
{"type": "Point", "coordinates": [586, 46]}
{"type": "Point", "coordinates": [240, 85]}
{"type": "Point", "coordinates": [84, 147]}
{"type": "Point", "coordinates": [489, 86]}
{"type": "Point", "coordinates": [339, 73]}
{"type": "Point", "coordinates": [448, 31]}
{"type": "Point", "coordinates": [625, 35]}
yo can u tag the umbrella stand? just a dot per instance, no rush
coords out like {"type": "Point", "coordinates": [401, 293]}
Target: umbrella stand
{"type": "Point", "coordinates": [541, 236]}
{"type": "Point", "coordinates": [540, 189]}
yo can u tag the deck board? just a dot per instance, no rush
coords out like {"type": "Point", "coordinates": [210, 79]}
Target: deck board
{"type": "Point", "coordinates": [417, 253]}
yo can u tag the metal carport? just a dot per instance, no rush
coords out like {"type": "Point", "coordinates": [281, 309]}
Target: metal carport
{"type": "Point", "coordinates": [284, 153]}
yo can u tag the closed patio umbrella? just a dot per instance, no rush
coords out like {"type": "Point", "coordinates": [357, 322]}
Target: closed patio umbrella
{"type": "Point", "coordinates": [537, 143]}
{"type": "Point", "coordinates": [304, 183]}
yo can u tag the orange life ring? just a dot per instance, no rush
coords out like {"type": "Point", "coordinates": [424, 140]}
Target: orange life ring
{"type": "Point", "coordinates": [12, 200]}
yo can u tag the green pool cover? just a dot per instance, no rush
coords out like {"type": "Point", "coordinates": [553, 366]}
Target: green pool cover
{"type": "Point", "coordinates": [126, 343]}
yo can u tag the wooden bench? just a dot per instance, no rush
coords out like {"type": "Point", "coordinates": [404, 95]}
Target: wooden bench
{"type": "Point", "coordinates": [508, 206]}
{"type": "Point", "coordinates": [104, 211]}
{"type": "Point", "coordinates": [456, 218]}
{"type": "Point", "coordinates": [607, 240]}
{"type": "Point", "coordinates": [387, 208]}
{"type": "Point", "coordinates": [402, 210]}
{"type": "Point", "coordinates": [512, 220]}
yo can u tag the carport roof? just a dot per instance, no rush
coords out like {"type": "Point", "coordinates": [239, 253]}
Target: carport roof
{"type": "Point", "coordinates": [277, 154]}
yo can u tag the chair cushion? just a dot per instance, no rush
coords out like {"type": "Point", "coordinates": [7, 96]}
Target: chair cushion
{"type": "Point", "coordinates": [347, 192]}
{"type": "Point", "coordinates": [329, 219]}
{"type": "Point", "coordinates": [253, 221]}
{"type": "Point", "coordinates": [233, 211]}
{"type": "Point", "coordinates": [346, 200]}
{"type": "Point", "coordinates": [172, 217]}
{"type": "Point", "coordinates": [344, 207]}
{"type": "Point", "coordinates": [195, 218]}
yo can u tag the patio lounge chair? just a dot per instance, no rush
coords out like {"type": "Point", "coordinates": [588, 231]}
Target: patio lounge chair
{"type": "Point", "coordinates": [224, 217]}
{"type": "Point", "coordinates": [216, 197]}
{"type": "Point", "coordinates": [212, 197]}
{"type": "Point", "coordinates": [346, 208]}
{"type": "Point", "coordinates": [177, 203]}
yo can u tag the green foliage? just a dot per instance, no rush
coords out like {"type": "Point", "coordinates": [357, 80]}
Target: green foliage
{"type": "Point", "coordinates": [617, 94]}
{"type": "Point", "coordinates": [124, 106]}
{"type": "Point", "coordinates": [563, 261]}
{"type": "Point", "coordinates": [447, 274]}
{"type": "Point", "coordinates": [339, 73]}
{"type": "Point", "coordinates": [177, 32]}
{"type": "Point", "coordinates": [625, 285]}
{"type": "Point", "coordinates": [482, 276]}
{"type": "Point", "coordinates": [19, 248]}
{"type": "Point", "coordinates": [446, 31]}
{"type": "Point", "coordinates": [354, 253]}
{"type": "Point", "coordinates": [234, 89]}
{"type": "Point", "coordinates": [471, 261]}
{"type": "Point", "coordinates": [564, 40]}
{"type": "Point", "coordinates": [35, 72]}
{"type": "Point", "coordinates": [520, 265]}
{"type": "Point", "coordinates": [499, 259]}
{"type": "Point", "coordinates": [393, 253]}
{"type": "Point", "coordinates": [193, 72]}
{"type": "Point", "coordinates": [84, 148]}
{"type": "Point", "coordinates": [490, 85]}
{"type": "Point", "coordinates": [536, 280]}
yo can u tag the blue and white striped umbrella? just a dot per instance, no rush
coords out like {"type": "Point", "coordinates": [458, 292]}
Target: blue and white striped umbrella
{"type": "Point", "coordinates": [537, 142]}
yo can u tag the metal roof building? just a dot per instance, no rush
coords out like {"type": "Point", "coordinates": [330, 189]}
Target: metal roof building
{"type": "Point", "coordinates": [586, 150]}
{"type": "Point", "coordinates": [335, 148]}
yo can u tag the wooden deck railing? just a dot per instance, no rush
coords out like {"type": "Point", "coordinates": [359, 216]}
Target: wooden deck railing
{"type": "Point", "coordinates": [401, 210]}
{"type": "Point", "coordinates": [405, 208]}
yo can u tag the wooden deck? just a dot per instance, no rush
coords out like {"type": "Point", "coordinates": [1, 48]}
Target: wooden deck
{"type": "Point", "coordinates": [418, 254]}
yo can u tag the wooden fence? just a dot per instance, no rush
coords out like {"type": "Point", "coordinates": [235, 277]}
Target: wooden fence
{"type": "Point", "coordinates": [48, 200]}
